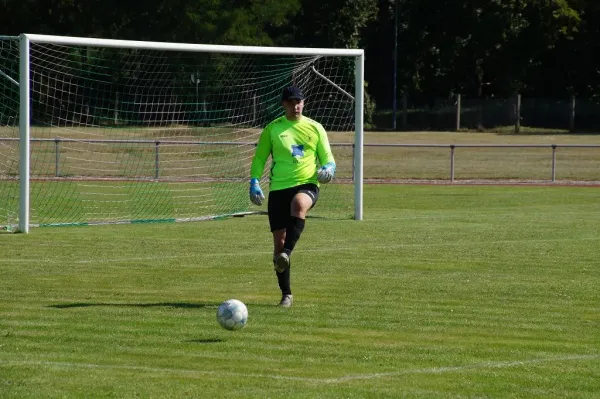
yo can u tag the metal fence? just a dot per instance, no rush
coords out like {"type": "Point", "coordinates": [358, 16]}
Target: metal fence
{"type": "Point", "coordinates": [532, 170]}
{"type": "Point", "coordinates": [386, 162]}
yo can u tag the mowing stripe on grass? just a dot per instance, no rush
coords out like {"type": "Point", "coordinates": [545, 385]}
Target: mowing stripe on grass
{"type": "Point", "coordinates": [348, 378]}
{"type": "Point", "coordinates": [328, 249]}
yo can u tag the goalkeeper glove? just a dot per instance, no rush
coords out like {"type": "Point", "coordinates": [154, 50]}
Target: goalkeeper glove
{"type": "Point", "coordinates": [326, 172]}
{"type": "Point", "coordinates": [256, 194]}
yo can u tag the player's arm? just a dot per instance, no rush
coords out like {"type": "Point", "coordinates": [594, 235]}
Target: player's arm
{"type": "Point", "coordinates": [261, 155]}
{"type": "Point", "coordinates": [263, 150]}
{"type": "Point", "coordinates": [327, 171]}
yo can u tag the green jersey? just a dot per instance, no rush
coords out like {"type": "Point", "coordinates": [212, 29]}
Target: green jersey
{"type": "Point", "coordinates": [296, 148]}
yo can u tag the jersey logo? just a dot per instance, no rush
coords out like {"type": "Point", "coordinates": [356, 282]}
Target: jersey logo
{"type": "Point", "coordinates": [297, 152]}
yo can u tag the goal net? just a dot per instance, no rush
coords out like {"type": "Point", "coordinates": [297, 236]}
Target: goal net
{"type": "Point", "coordinates": [9, 131]}
{"type": "Point", "coordinates": [135, 132]}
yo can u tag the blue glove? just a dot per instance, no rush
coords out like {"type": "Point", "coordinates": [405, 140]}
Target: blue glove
{"type": "Point", "coordinates": [326, 172]}
{"type": "Point", "coordinates": [256, 194]}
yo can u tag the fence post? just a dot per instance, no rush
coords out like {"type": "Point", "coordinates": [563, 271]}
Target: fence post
{"type": "Point", "coordinates": [452, 146]}
{"type": "Point", "coordinates": [553, 162]}
{"type": "Point", "coordinates": [156, 159]}
{"type": "Point", "coordinates": [572, 114]}
{"type": "Point", "coordinates": [518, 114]}
{"type": "Point", "coordinates": [116, 108]}
{"type": "Point", "coordinates": [254, 109]}
{"type": "Point", "coordinates": [404, 110]}
{"type": "Point", "coordinates": [458, 98]}
{"type": "Point", "coordinates": [56, 156]}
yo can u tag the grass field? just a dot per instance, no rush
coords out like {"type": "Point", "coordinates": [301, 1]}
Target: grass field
{"type": "Point", "coordinates": [441, 292]}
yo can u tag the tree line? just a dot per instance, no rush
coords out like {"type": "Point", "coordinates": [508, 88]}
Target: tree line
{"type": "Point", "coordinates": [479, 48]}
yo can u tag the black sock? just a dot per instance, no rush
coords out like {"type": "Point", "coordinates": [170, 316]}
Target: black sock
{"type": "Point", "coordinates": [284, 281]}
{"type": "Point", "coordinates": [292, 234]}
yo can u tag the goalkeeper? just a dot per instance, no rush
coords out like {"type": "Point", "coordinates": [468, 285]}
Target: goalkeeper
{"type": "Point", "coordinates": [301, 158]}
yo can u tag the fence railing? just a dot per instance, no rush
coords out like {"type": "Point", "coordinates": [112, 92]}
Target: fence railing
{"type": "Point", "coordinates": [453, 147]}
{"type": "Point", "coordinates": [452, 150]}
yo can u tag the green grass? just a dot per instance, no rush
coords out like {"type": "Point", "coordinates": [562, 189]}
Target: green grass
{"type": "Point", "coordinates": [441, 292]}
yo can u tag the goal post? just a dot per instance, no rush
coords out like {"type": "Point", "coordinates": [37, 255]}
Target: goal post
{"type": "Point", "coordinates": [24, 134]}
{"type": "Point", "coordinates": [119, 131]}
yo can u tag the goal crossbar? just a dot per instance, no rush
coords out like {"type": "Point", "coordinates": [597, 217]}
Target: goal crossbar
{"type": "Point", "coordinates": [212, 48]}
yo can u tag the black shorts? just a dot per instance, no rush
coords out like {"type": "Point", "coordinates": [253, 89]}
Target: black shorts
{"type": "Point", "coordinates": [280, 203]}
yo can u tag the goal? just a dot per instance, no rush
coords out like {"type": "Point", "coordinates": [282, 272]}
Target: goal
{"type": "Point", "coordinates": [98, 131]}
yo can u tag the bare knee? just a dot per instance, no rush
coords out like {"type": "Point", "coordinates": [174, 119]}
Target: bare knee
{"type": "Point", "coordinates": [301, 204]}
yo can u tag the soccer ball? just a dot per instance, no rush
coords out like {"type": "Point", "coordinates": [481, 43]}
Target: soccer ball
{"type": "Point", "coordinates": [232, 314]}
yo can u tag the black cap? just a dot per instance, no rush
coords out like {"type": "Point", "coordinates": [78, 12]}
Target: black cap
{"type": "Point", "coordinates": [292, 93]}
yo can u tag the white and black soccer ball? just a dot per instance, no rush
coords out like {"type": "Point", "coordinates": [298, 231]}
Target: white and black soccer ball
{"type": "Point", "coordinates": [232, 314]}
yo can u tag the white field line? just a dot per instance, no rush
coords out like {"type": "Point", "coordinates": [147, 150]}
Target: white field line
{"type": "Point", "coordinates": [331, 248]}
{"type": "Point", "coordinates": [336, 380]}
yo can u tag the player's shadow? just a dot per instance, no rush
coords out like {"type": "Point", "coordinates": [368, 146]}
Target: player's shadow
{"type": "Point", "coordinates": [177, 305]}
{"type": "Point", "coordinates": [205, 341]}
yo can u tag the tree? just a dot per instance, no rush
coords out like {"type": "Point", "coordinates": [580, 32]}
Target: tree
{"type": "Point", "coordinates": [199, 21]}
{"type": "Point", "coordinates": [482, 46]}
{"type": "Point", "coordinates": [336, 23]}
